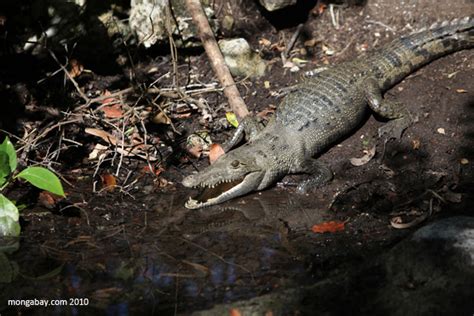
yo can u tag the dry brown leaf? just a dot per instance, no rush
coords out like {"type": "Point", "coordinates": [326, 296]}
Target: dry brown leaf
{"type": "Point", "coordinates": [266, 111]}
{"type": "Point", "coordinates": [397, 221]}
{"type": "Point", "coordinates": [76, 68]}
{"type": "Point", "coordinates": [416, 144]}
{"type": "Point", "coordinates": [215, 152]}
{"type": "Point", "coordinates": [368, 155]}
{"type": "Point", "coordinates": [161, 118]}
{"type": "Point", "coordinates": [48, 199]}
{"type": "Point", "coordinates": [108, 181]}
{"type": "Point", "coordinates": [109, 138]}
{"type": "Point", "coordinates": [312, 42]}
{"type": "Point", "coordinates": [113, 111]}
{"type": "Point", "coordinates": [264, 42]}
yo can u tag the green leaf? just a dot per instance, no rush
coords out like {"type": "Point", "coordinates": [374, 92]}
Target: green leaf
{"type": "Point", "coordinates": [42, 178]}
{"type": "Point", "coordinates": [8, 148]}
{"type": "Point", "coordinates": [9, 225]}
{"type": "Point", "coordinates": [232, 119]}
{"type": "Point", "coordinates": [8, 209]}
{"type": "Point", "coordinates": [4, 167]}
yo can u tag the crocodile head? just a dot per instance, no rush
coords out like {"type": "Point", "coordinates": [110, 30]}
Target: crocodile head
{"type": "Point", "coordinates": [234, 174]}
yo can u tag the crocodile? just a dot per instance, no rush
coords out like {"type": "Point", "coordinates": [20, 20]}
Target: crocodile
{"type": "Point", "coordinates": [322, 109]}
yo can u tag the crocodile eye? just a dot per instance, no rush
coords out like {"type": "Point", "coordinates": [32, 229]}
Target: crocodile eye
{"type": "Point", "coordinates": [235, 163]}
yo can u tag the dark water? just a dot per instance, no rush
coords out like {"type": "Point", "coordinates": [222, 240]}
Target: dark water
{"type": "Point", "coordinates": [160, 258]}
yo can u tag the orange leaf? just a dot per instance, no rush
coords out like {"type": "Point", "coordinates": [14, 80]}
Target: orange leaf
{"type": "Point", "coordinates": [328, 227]}
{"type": "Point", "coordinates": [113, 111]}
{"type": "Point", "coordinates": [109, 181]}
{"type": "Point", "coordinates": [234, 312]}
{"type": "Point", "coordinates": [215, 152]}
{"type": "Point", "coordinates": [48, 199]}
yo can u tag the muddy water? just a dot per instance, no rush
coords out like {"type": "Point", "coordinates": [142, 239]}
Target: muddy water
{"type": "Point", "coordinates": [162, 258]}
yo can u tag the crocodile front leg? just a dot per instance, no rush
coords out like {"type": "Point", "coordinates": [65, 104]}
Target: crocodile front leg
{"type": "Point", "coordinates": [249, 127]}
{"type": "Point", "coordinates": [394, 111]}
{"type": "Point", "coordinates": [320, 174]}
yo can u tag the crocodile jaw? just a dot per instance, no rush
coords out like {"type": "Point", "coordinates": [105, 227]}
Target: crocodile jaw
{"type": "Point", "coordinates": [249, 183]}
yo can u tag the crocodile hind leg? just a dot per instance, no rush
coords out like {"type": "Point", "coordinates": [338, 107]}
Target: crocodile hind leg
{"type": "Point", "coordinates": [320, 174]}
{"type": "Point", "coordinates": [394, 111]}
{"type": "Point", "coordinates": [248, 127]}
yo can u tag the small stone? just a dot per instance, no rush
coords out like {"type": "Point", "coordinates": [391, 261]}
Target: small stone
{"type": "Point", "coordinates": [241, 59]}
{"type": "Point", "coordinates": [464, 161]}
{"type": "Point", "coordinates": [441, 131]}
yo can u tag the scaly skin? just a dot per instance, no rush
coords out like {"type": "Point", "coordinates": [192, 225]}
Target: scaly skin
{"type": "Point", "coordinates": [323, 109]}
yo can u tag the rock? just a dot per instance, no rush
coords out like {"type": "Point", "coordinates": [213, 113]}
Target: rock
{"type": "Point", "coordinates": [432, 273]}
{"type": "Point", "coordinates": [272, 5]}
{"type": "Point", "coordinates": [149, 20]}
{"type": "Point", "coordinates": [240, 58]}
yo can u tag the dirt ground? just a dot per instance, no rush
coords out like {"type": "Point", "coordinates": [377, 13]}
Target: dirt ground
{"type": "Point", "coordinates": [139, 250]}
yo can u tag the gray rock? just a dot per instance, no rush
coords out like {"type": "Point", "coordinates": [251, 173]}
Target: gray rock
{"type": "Point", "coordinates": [272, 5]}
{"type": "Point", "coordinates": [149, 19]}
{"type": "Point", "coordinates": [241, 59]}
{"type": "Point", "coordinates": [432, 272]}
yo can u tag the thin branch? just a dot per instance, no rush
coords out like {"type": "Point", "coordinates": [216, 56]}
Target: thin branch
{"type": "Point", "coordinates": [214, 54]}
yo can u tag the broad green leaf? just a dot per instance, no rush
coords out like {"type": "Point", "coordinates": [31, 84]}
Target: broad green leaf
{"type": "Point", "coordinates": [8, 209]}
{"type": "Point", "coordinates": [42, 178]}
{"type": "Point", "coordinates": [232, 119]}
{"type": "Point", "coordinates": [8, 148]}
{"type": "Point", "coordinates": [9, 227]}
{"type": "Point", "coordinates": [4, 167]}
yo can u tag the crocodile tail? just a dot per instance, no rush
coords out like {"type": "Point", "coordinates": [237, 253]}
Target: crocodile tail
{"type": "Point", "coordinates": [446, 37]}
{"type": "Point", "coordinates": [411, 52]}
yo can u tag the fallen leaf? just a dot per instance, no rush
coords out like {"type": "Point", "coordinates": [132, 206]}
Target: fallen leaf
{"type": "Point", "coordinates": [234, 312]}
{"type": "Point", "coordinates": [265, 112]}
{"type": "Point", "coordinates": [397, 221]}
{"type": "Point", "coordinates": [299, 61]}
{"type": "Point", "coordinates": [108, 181]}
{"type": "Point", "coordinates": [99, 151]}
{"type": "Point", "coordinates": [312, 42]}
{"type": "Point", "coordinates": [328, 227]}
{"type": "Point", "coordinates": [441, 131]}
{"type": "Point", "coordinates": [108, 100]}
{"type": "Point", "coordinates": [232, 119]}
{"type": "Point", "coordinates": [112, 111]}
{"type": "Point", "coordinates": [328, 50]}
{"type": "Point", "coordinates": [76, 68]}
{"type": "Point", "coordinates": [161, 118]}
{"type": "Point", "coordinates": [215, 152]}
{"type": "Point", "coordinates": [264, 42]}
{"type": "Point", "coordinates": [368, 155]}
{"type": "Point", "coordinates": [48, 199]}
{"type": "Point", "coordinates": [109, 138]}
{"type": "Point", "coordinates": [416, 144]}
{"type": "Point", "coordinates": [266, 84]}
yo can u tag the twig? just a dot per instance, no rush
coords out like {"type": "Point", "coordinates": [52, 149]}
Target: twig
{"type": "Point", "coordinates": [391, 29]}
{"type": "Point", "coordinates": [292, 41]}
{"type": "Point", "coordinates": [215, 57]}
{"type": "Point", "coordinates": [66, 72]}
